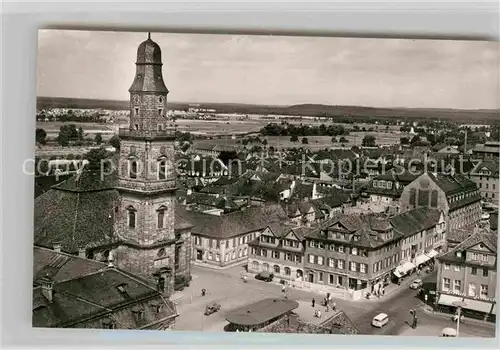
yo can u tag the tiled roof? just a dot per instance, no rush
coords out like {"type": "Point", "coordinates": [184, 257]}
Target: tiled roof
{"type": "Point", "coordinates": [489, 239]}
{"type": "Point", "coordinates": [261, 311]}
{"type": "Point", "coordinates": [366, 228]}
{"type": "Point", "coordinates": [452, 184]}
{"type": "Point", "coordinates": [415, 220]}
{"type": "Point", "coordinates": [458, 235]}
{"type": "Point", "coordinates": [235, 223]}
{"type": "Point", "coordinates": [85, 289]}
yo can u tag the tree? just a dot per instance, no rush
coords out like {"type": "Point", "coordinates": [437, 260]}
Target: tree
{"type": "Point", "coordinates": [294, 138]}
{"type": "Point", "coordinates": [404, 140]}
{"type": "Point", "coordinates": [80, 133]}
{"type": "Point", "coordinates": [334, 140]}
{"type": "Point", "coordinates": [264, 142]}
{"type": "Point", "coordinates": [41, 136]}
{"type": "Point", "coordinates": [185, 146]}
{"type": "Point", "coordinates": [368, 141]}
{"type": "Point", "coordinates": [415, 139]}
{"type": "Point", "coordinates": [343, 140]}
{"type": "Point", "coordinates": [98, 139]}
{"type": "Point", "coordinates": [94, 157]}
{"type": "Point", "coordinates": [115, 141]}
{"type": "Point", "coordinates": [305, 141]}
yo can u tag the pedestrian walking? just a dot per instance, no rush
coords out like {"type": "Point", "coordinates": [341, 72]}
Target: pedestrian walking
{"type": "Point", "coordinates": [327, 308]}
{"type": "Point", "coordinates": [334, 306]}
{"type": "Point", "coordinates": [203, 292]}
{"type": "Point", "coordinates": [383, 291]}
{"type": "Point", "coordinates": [283, 288]}
{"type": "Point", "coordinates": [313, 302]}
{"type": "Point", "coordinates": [319, 314]}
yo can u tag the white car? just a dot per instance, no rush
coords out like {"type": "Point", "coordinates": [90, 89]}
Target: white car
{"type": "Point", "coordinates": [380, 320]}
{"type": "Point", "coordinates": [416, 284]}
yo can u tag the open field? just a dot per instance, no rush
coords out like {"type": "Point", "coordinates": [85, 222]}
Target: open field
{"type": "Point", "coordinates": [478, 116]}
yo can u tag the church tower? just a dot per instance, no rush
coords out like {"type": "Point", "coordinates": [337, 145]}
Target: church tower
{"type": "Point", "coordinates": [145, 215]}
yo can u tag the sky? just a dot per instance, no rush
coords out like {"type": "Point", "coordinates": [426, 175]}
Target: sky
{"type": "Point", "coordinates": [276, 70]}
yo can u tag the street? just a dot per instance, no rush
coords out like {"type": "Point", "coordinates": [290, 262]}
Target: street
{"type": "Point", "coordinates": [226, 288]}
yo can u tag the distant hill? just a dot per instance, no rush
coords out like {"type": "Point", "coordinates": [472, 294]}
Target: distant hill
{"type": "Point", "coordinates": [458, 115]}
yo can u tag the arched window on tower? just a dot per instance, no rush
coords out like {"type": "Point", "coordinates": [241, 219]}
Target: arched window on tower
{"type": "Point", "coordinates": [131, 216]}
{"type": "Point", "coordinates": [160, 111]}
{"type": "Point", "coordinates": [161, 218]}
{"type": "Point", "coordinates": [162, 169]}
{"type": "Point", "coordinates": [133, 169]}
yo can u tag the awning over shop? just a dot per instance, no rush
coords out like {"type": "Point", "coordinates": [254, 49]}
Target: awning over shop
{"type": "Point", "coordinates": [476, 305]}
{"type": "Point", "coordinates": [448, 300]}
{"type": "Point", "coordinates": [402, 270]}
{"type": "Point", "coordinates": [432, 254]}
{"type": "Point", "coordinates": [421, 259]}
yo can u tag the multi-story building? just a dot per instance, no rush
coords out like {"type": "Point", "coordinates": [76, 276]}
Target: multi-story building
{"type": "Point", "coordinates": [454, 194]}
{"type": "Point", "coordinates": [486, 176]}
{"type": "Point", "coordinates": [468, 273]}
{"type": "Point", "coordinates": [386, 188]}
{"type": "Point", "coordinates": [490, 150]}
{"type": "Point", "coordinates": [221, 240]}
{"type": "Point", "coordinates": [359, 253]}
{"type": "Point", "coordinates": [280, 250]}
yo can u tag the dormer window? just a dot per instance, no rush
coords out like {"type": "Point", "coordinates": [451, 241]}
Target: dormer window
{"type": "Point", "coordinates": [108, 323]}
{"type": "Point", "coordinates": [459, 254]}
{"type": "Point", "coordinates": [138, 312]}
{"type": "Point", "coordinates": [121, 288]}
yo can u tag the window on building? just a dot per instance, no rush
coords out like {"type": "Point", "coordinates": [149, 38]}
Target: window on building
{"type": "Point", "coordinates": [484, 290]}
{"type": "Point", "coordinates": [362, 268]}
{"type": "Point", "coordinates": [341, 249]}
{"type": "Point", "coordinates": [160, 111]}
{"type": "Point", "coordinates": [487, 185]}
{"type": "Point", "coordinates": [131, 217]}
{"type": "Point", "coordinates": [340, 264]}
{"type": "Point", "coordinates": [446, 284]}
{"type": "Point", "coordinates": [311, 244]}
{"type": "Point", "coordinates": [457, 268]}
{"type": "Point", "coordinates": [320, 260]}
{"type": "Point", "coordinates": [472, 290]}
{"type": "Point", "coordinates": [133, 169]}
{"type": "Point", "coordinates": [457, 286]}
{"type": "Point", "coordinates": [210, 256]}
{"type": "Point", "coordinates": [473, 271]}
{"type": "Point", "coordinates": [331, 262]}
{"type": "Point", "coordinates": [311, 259]}
{"type": "Point", "coordinates": [331, 279]}
{"type": "Point", "coordinates": [413, 197]}
{"type": "Point", "coordinates": [485, 272]}
{"type": "Point", "coordinates": [353, 266]}
{"type": "Point", "coordinates": [276, 254]}
{"type": "Point", "coordinates": [136, 112]}
{"type": "Point", "coordinates": [217, 257]}
{"type": "Point", "coordinates": [484, 257]}
{"type": "Point", "coordinates": [276, 269]}
{"type": "Point", "coordinates": [161, 218]}
{"type": "Point", "coordinates": [217, 244]}
{"type": "Point", "coordinates": [162, 170]}
{"type": "Point", "coordinates": [354, 251]}
{"type": "Point", "coordinates": [446, 266]}
{"type": "Point", "coordinates": [288, 272]}
{"type": "Point", "coordinates": [475, 256]}
{"type": "Point", "coordinates": [434, 198]}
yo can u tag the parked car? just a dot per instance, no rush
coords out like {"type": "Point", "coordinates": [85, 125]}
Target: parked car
{"type": "Point", "coordinates": [265, 276]}
{"type": "Point", "coordinates": [380, 320]}
{"type": "Point", "coordinates": [416, 284]}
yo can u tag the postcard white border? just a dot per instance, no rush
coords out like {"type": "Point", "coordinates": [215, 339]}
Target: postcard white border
{"type": "Point", "coordinates": [20, 20]}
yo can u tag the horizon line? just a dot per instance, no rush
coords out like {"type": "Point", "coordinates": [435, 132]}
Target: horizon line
{"type": "Point", "coordinates": [289, 105]}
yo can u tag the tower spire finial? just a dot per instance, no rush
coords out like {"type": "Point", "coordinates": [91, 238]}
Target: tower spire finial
{"type": "Point", "coordinates": [149, 35]}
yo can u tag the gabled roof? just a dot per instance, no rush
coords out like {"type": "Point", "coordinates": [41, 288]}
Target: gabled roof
{"type": "Point", "coordinates": [235, 223]}
{"type": "Point", "coordinates": [415, 220]}
{"type": "Point", "coordinates": [489, 239]}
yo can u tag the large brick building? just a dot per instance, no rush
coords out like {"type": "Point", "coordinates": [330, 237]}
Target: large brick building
{"type": "Point", "coordinates": [454, 194]}
{"type": "Point", "coordinates": [128, 214]}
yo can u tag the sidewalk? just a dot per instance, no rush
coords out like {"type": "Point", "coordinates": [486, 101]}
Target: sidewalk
{"type": "Point", "coordinates": [428, 310]}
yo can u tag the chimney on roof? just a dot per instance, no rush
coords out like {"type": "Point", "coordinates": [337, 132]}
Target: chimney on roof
{"type": "Point", "coordinates": [47, 284]}
{"type": "Point", "coordinates": [81, 252]}
{"type": "Point", "coordinates": [57, 247]}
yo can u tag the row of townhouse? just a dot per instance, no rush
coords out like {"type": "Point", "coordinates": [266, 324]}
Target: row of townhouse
{"type": "Point", "coordinates": [354, 253]}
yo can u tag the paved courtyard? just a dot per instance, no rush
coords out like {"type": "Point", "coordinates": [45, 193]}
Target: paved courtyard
{"type": "Point", "coordinates": [226, 288]}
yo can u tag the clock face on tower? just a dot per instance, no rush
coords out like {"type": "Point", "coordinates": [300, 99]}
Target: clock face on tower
{"type": "Point", "coordinates": [135, 98]}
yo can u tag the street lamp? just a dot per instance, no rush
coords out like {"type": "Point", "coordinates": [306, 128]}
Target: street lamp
{"type": "Point", "coordinates": [459, 304]}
